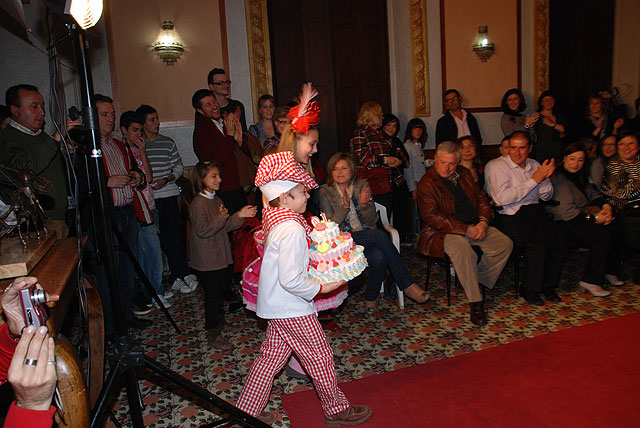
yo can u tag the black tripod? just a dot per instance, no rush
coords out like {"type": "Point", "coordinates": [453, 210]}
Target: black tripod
{"type": "Point", "coordinates": [127, 356]}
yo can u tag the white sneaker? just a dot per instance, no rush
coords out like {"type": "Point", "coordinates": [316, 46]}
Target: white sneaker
{"type": "Point", "coordinates": [177, 284]}
{"type": "Point", "coordinates": [164, 301]}
{"type": "Point", "coordinates": [191, 281]}
{"type": "Point", "coordinates": [184, 288]}
{"type": "Point", "coordinates": [168, 294]}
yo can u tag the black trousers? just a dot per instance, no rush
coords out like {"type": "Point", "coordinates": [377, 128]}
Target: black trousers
{"type": "Point", "coordinates": [172, 237]}
{"type": "Point", "coordinates": [604, 248]}
{"type": "Point", "coordinates": [214, 283]}
{"type": "Point", "coordinates": [544, 243]}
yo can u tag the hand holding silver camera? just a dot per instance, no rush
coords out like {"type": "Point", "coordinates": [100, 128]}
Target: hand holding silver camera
{"type": "Point", "coordinates": [32, 300]}
{"type": "Point", "coordinates": [12, 305]}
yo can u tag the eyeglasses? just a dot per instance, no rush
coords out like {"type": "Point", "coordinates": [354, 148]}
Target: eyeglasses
{"type": "Point", "coordinates": [222, 82]}
{"type": "Point", "coordinates": [448, 100]}
{"type": "Point", "coordinates": [282, 122]}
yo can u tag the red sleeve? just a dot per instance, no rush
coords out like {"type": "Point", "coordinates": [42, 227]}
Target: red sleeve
{"type": "Point", "coordinates": [7, 349]}
{"type": "Point", "coordinates": [210, 144]}
{"type": "Point", "coordinates": [17, 417]}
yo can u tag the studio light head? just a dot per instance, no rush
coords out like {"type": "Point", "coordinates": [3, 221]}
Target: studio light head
{"type": "Point", "coordinates": [85, 12]}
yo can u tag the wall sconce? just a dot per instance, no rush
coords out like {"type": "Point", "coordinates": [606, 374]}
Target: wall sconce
{"type": "Point", "coordinates": [483, 47]}
{"type": "Point", "coordinates": [168, 48]}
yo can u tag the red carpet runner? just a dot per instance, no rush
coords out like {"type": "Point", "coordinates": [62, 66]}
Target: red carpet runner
{"type": "Point", "coordinates": [581, 377]}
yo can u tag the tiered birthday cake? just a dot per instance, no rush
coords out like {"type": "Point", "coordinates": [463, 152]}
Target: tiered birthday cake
{"type": "Point", "coordinates": [334, 255]}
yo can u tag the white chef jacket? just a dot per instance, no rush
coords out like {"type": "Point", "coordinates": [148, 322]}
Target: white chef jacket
{"type": "Point", "coordinates": [284, 288]}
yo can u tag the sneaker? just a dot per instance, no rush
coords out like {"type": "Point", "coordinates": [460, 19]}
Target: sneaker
{"type": "Point", "coordinates": [184, 288]}
{"type": "Point", "coordinates": [352, 415]}
{"type": "Point", "coordinates": [139, 309]}
{"type": "Point", "coordinates": [191, 281]}
{"type": "Point", "coordinates": [164, 301]}
{"type": "Point", "coordinates": [168, 294]}
{"type": "Point", "coordinates": [177, 284]}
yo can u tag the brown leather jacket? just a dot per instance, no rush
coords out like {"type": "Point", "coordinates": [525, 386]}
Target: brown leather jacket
{"type": "Point", "coordinates": [436, 205]}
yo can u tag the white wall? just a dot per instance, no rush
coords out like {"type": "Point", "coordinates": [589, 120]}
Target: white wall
{"type": "Point", "coordinates": [239, 69]}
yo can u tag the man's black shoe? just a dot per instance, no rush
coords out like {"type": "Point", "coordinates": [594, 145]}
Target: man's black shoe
{"type": "Point", "coordinates": [140, 323]}
{"type": "Point", "coordinates": [533, 299]}
{"type": "Point", "coordinates": [235, 307]}
{"type": "Point", "coordinates": [552, 296]}
{"type": "Point", "coordinates": [478, 316]}
{"type": "Point", "coordinates": [140, 308]}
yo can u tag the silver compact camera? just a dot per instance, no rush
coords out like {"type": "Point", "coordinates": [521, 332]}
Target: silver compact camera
{"type": "Point", "coordinates": [32, 301]}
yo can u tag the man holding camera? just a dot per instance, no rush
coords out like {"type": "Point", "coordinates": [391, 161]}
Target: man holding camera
{"type": "Point", "coordinates": [123, 177]}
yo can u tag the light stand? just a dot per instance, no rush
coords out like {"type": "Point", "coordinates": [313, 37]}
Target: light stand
{"type": "Point", "coordinates": [128, 356]}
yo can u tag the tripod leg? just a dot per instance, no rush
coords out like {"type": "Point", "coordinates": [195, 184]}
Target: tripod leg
{"type": "Point", "coordinates": [134, 398]}
{"type": "Point", "coordinates": [107, 389]}
{"type": "Point", "coordinates": [141, 274]}
{"type": "Point", "coordinates": [114, 419]}
{"type": "Point", "coordinates": [236, 414]}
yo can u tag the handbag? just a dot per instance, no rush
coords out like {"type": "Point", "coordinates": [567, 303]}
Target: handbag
{"type": "Point", "coordinates": [377, 178]}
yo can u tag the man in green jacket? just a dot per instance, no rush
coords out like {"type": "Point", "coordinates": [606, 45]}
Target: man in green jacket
{"type": "Point", "coordinates": [25, 146]}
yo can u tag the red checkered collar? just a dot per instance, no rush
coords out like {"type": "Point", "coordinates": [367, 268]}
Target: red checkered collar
{"type": "Point", "coordinates": [273, 216]}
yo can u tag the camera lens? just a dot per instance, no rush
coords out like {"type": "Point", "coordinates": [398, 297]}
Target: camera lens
{"type": "Point", "coordinates": [38, 297]}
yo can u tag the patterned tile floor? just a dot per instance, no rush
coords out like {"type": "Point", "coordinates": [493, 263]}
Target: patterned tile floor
{"type": "Point", "coordinates": [363, 346]}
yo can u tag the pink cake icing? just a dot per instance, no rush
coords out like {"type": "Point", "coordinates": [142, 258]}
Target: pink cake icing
{"type": "Point", "coordinates": [334, 255]}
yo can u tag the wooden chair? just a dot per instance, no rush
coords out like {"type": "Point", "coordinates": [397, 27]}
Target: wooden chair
{"type": "Point", "coordinates": [395, 239]}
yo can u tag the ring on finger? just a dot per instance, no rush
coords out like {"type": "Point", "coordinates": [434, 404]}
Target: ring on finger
{"type": "Point", "coordinates": [30, 362]}
{"type": "Point", "coordinates": [52, 363]}
{"type": "Point", "coordinates": [8, 287]}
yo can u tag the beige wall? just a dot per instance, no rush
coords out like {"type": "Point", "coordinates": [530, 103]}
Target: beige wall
{"type": "Point", "coordinates": [500, 72]}
{"type": "Point", "coordinates": [402, 80]}
{"type": "Point", "coordinates": [140, 76]}
{"type": "Point", "coordinates": [626, 51]}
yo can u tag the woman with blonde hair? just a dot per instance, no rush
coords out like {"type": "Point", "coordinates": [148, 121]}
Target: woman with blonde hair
{"type": "Point", "coordinates": [375, 157]}
{"type": "Point", "coordinates": [264, 128]}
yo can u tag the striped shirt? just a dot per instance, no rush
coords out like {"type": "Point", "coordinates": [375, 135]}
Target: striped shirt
{"type": "Point", "coordinates": [165, 160]}
{"type": "Point", "coordinates": [621, 182]}
{"type": "Point", "coordinates": [115, 164]}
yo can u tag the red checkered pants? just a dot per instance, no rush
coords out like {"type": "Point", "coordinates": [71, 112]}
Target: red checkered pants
{"type": "Point", "coordinates": [304, 336]}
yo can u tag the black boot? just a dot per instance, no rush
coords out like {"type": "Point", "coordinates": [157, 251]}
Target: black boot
{"type": "Point", "coordinates": [478, 316]}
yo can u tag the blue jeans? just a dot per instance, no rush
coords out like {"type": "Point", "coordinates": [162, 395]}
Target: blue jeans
{"type": "Point", "coordinates": [381, 254]}
{"type": "Point", "coordinates": [149, 254]}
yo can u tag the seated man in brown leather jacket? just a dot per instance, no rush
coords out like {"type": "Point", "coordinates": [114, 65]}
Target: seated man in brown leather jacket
{"type": "Point", "coordinates": [455, 215]}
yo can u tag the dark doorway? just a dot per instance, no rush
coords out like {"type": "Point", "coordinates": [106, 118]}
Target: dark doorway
{"type": "Point", "coordinates": [581, 53]}
{"type": "Point", "coordinates": [342, 47]}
